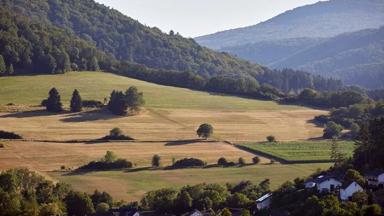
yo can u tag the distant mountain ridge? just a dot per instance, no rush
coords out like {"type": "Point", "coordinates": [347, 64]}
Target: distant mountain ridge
{"type": "Point", "coordinates": [339, 38]}
{"type": "Point", "coordinates": [320, 20]}
{"type": "Point", "coordinates": [37, 36]}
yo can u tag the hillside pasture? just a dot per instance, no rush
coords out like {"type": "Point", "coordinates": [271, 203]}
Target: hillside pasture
{"type": "Point", "coordinates": [163, 124]}
{"type": "Point", "coordinates": [44, 156]}
{"type": "Point", "coordinates": [98, 85]}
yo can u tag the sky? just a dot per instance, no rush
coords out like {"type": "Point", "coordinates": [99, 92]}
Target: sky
{"type": "Point", "coordinates": [193, 18]}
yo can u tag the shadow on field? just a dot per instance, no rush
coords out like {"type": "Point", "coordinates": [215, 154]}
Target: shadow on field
{"type": "Point", "coordinates": [29, 114]}
{"type": "Point", "coordinates": [186, 142]}
{"type": "Point", "coordinates": [92, 115]}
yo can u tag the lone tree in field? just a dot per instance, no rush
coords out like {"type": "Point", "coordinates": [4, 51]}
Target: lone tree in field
{"type": "Point", "coordinates": [76, 102]}
{"type": "Point", "coordinates": [205, 131]}
{"type": "Point", "coordinates": [53, 103]}
{"type": "Point", "coordinates": [155, 161]}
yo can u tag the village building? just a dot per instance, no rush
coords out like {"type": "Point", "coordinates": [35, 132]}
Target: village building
{"type": "Point", "coordinates": [375, 178]}
{"type": "Point", "coordinates": [264, 202]}
{"type": "Point", "coordinates": [347, 192]}
{"type": "Point", "coordinates": [323, 183]}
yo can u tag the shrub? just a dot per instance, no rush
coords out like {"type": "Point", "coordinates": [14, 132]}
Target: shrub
{"type": "Point", "coordinates": [9, 135]}
{"type": "Point", "coordinates": [271, 139]}
{"type": "Point", "coordinates": [44, 102]}
{"type": "Point", "coordinates": [102, 207]}
{"type": "Point", "coordinates": [332, 130]}
{"type": "Point", "coordinates": [108, 162]}
{"type": "Point", "coordinates": [1, 145]}
{"type": "Point", "coordinates": [103, 165]}
{"type": "Point", "coordinates": [222, 162]}
{"type": "Point", "coordinates": [116, 134]}
{"type": "Point", "coordinates": [92, 104]}
{"type": "Point", "coordinates": [156, 161]}
{"type": "Point", "coordinates": [256, 160]}
{"type": "Point", "coordinates": [242, 161]}
{"type": "Point", "coordinates": [188, 162]}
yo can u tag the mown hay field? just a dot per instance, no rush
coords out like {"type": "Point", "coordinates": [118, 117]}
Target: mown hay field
{"type": "Point", "coordinates": [132, 185]}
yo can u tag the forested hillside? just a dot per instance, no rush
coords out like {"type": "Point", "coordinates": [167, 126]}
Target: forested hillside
{"type": "Point", "coordinates": [340, 56]}
{"type": "Point", "coordinates": [30, 47]}
{"type": "Point", "coordinates": [127, 39]}
{"type": "Point", "coordinates": [55, 36]}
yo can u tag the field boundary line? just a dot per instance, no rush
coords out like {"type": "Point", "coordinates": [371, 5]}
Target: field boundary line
{"type": "Point", "coordinates": [276, 158]}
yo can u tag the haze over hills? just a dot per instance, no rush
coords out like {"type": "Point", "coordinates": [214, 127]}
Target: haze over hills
{"type": "Point", "coordinates": [320, 20]}
{"type": "Point", "coordinates": [337, 38]}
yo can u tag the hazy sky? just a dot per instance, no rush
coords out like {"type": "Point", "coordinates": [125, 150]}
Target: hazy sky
{"type": "Point", "coordinates": [193, 18]}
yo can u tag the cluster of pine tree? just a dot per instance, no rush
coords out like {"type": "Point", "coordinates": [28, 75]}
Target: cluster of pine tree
{"type": "Point", "coordinates": [121, 103]}
{"type": "Point", "coordinates": [53, 103]}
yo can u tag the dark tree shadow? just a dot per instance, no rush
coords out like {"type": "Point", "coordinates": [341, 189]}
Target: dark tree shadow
{"type": "Point", "coordinates": [316, 123]}
{"type": "Point", "coordinates": [186, 142]}
{"type": "Point", "coordinates": [92, 115]}
{"type": "Point", "coordinates": [29, 114]}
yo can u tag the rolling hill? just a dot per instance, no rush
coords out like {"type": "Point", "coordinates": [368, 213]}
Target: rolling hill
{"type": "Point", "coordinates": [356, 58]}
{"type": "Point", "coordinates": [342, 39]}
{"type": "Point", "coordinates": [320, 20]}
{"type": "Point", "coordinates": [120, 37]}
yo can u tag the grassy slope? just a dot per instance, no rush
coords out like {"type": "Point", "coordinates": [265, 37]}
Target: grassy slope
{"type": "Point", "coordinates": [131, 186]}
{"type": "Point", "coordinates": [302, 150]}
{"type": "Point", "coordinates": [97, 85]}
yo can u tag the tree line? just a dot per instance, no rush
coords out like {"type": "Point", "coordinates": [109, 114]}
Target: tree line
{"type": "Point", "coordinates": [34, 47]}
{"type": "Point", "coordinates": [119, 103]}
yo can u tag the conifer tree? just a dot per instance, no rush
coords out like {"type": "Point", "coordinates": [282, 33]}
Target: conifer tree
{"type": "Point", "coordinates": [94, 64]}
{"type": "Point", "coordinates": [53, 103]}
{"type": "Point", "coordinates": [76, 102]}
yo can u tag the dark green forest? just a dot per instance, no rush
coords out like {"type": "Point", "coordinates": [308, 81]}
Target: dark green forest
{"type": "Point", "coordinates": [55, 36]}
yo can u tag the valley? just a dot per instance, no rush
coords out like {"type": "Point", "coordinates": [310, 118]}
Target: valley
{"type": "Point", "coordinates": [166, 126]}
